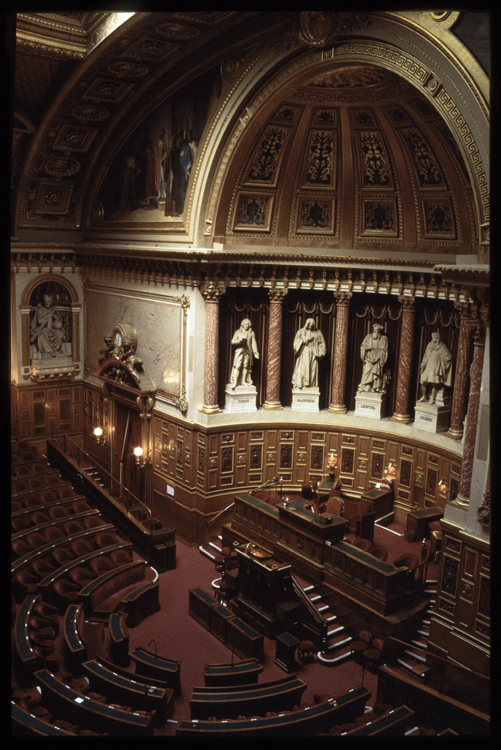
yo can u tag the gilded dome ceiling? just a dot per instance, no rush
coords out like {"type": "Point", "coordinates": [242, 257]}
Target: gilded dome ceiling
{"type": "Point", "coordinates": [352, 157]}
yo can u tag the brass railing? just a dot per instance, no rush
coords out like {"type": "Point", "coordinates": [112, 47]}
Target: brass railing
{"type": "Point", "coordinates": [113, 487]}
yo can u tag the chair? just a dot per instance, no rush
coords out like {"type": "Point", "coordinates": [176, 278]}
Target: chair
{"type": "Point", "coordinates": [92, 522]}
{"type": "Point", "coordinates": [39, 625]}
{"type": "Point", "coordinates": [363, 641]}
{"type": "Point", "coordinates": [49, 496]}
{"type": "Point", "coordinates": [408, 560]}
{"type": "Point", "coordinates": [373, 654]}
{"type": "Point", "coordinates": [106, 540]}
{"type": "Point", "coordinates": [100, 565]}
{"type": "Point", "coordinates": [58, 511]}
{"type": "Point", "coordinates": [72, 527]}
{"type": "Point", "coordinates": [380, 552]}
{"type": "Point", "coordinates": [335, 505]}
{"type": "Point", "coordinates": [65, 592]}
{"type": "Point", "coordinates": [121, 557]}
{"type": "Point", "coordinates": [81, 547]}
{"type": "Point", "coordinates": [20, 524]}
{"type": "Point", "coordinates": [53, 533]}
{"type": "Point", "coordinates": [62, 555]}
{"type": "Point", "coordinates": [42, 567]}
{"type": "Point", "coordinates": [48, 612]}
{"type": "Point", "coordinates": [38, 517]}
{"type": "Point", "coordinates": [363, 544]}
{"type": "Point", "coordinates": [306, 491]}
{"type": "Point", "coordinates": [23, 583]}
{"type": "Point", "coordinates": [81, 576]}
{"type": "Point", "coordinates": [435, 526]}
{"type": "Point", "coordinates": [80, 506]}
{"type": "Point", "coordinates": [35, 539]}
{"type": "Point", "coordinates": [20, 548]}
{"type": "Point", "coordinates": [306, 651]}
{"type": "Point", "coordinates": [16, 506]}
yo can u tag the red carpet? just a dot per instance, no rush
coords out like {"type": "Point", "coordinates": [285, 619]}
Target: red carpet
{"type": "Point", "coordinates": [179, 636]}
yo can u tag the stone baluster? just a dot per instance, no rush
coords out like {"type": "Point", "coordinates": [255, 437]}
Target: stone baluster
{"type": "Point", "coordinates": [274, 355]}
{"type": "Point", "coordinates": [338, 393]}
{"type": "Point", "coordinates": [463, 498]}
{"type": "Point", "coordinates": [402, 404]}
{"type": "Point", "coordinates": [211, 295]}
{"type": "Point", "coordinates": [459, 395]}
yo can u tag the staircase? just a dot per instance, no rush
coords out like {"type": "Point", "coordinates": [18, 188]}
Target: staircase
{"type": "Point", "coordinates": [338, 647]}
{"type": "Point", "coordinates": [413, 659]}
{"type": "Point", "coordinates": [338, 642]}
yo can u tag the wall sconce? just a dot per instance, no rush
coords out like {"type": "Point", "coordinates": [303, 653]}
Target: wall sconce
{"type": "Point", "coordinates": [100, 436]}
{"type": "Point", "coordinates": [391, 470]}
{"type": "Point", "coordinates": [138, 452]}
{"type": "Point", "coordinates": [442, 488]}
{"type": "Point", "coordinates": [332, 462]}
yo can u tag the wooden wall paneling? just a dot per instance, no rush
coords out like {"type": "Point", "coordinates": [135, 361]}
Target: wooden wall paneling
{"type": "Point", "coordinates": [201, 459]}
{"type": "Point", "coordinates": [242, 457]}
{"type": "Point", "coordinates": [214, 442]}
{"type": "Point", "coordinates": [271, 454]}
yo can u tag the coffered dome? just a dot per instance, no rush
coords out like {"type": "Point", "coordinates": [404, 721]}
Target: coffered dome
{"type": "Point", "coordinates": [349, 157]}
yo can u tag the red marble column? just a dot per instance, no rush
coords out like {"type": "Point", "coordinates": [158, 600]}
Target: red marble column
{"type": "Point", "coordinates": [274, 357]}
{"type": "Point", "coordinates": [338, 393]}
{"type": "Point", "coordinates": [472, 419]}
{"type": "Point", "coordinates": [459, 395]}
{"type": "Point", "coordinates": [405, 360]}
{"type": "Point", "coordinates": [212, 295]}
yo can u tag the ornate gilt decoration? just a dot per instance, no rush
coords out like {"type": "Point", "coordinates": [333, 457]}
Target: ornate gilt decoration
{"type": "Point", "coordinates": [319, 28]}
{"type": "Point", "coordinates": [484, 510]}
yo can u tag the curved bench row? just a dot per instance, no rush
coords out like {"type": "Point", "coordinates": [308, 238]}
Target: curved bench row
{"type": "Point", "coordinates": [303, 722]}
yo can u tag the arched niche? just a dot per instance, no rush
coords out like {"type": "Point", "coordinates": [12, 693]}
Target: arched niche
{"type": "Point", "coordinates": [50, 329]}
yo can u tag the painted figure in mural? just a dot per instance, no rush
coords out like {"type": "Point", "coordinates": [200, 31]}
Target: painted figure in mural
{"type": "Point", "coordinates": [175, 168]}
{"type": "Point", "coordinates": [309, 347]}
{"type": "Point", "coordinates": [160, 166]}
{"type": "Point", "coordinates": [436, 368]}
{"type": "Point", "coordinates": [47, 329]}
{"type": "Point", "coordinates": [186, 161]}
{"type": "Point", "coordinates": [374, 353]}
{"type": "Point", "coordinates": [246, 350]}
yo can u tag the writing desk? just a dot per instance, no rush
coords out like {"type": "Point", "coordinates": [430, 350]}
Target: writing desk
{"type": "Point", "coordinates": [418, 520]}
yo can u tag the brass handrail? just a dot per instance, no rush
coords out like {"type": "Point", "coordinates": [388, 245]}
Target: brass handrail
{"type": "Point", "coordinates": [124, 491]}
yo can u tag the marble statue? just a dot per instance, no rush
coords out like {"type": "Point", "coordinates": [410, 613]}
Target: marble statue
{"type": "Point", "coordinates": [436, 368]}
{"type": "Point", "coordinates": [374, 353]}
{"type": "Point", "coordinates": [309, 347]}
{"type": "Point", "coordinates": [246, 350]}
{"type": "Point", "coordinates": [47, 329]}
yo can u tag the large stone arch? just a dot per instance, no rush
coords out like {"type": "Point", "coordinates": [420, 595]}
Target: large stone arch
{"type": "Point", "coordinates": [438, 65]}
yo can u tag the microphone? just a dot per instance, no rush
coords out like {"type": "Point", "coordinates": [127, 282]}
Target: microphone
{"type": "Point", "coordinates": [153, 641]}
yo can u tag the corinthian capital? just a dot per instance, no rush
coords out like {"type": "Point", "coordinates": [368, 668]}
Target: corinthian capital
{"type": "Point", "coordinates": [407, 302]}
{"type": "Point", "coordinates": [212, 293]}
{"type": "Point", "coordinates": [343, 298]}
{"type": "Point", "coordinates": [277, 295]}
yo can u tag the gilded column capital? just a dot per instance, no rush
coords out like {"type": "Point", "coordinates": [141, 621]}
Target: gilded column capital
{"type": "Point", "coordinates": [277, 295]}
{"type": "Point", "coordinates": [343, 298]}
{"type": "Point", "coordinates": [464, 310]}
{"type": "Point", "coordinates": [212, 293]}
{"type": "Point", "coordinates": [407, 302]}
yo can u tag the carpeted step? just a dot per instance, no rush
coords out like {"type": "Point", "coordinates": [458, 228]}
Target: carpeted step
{"type": "Point", "coordinates": [334, 657]}
{"type": "Point", "coordinates": [419, 644]}
{"type": "Point", "coordinates": [416, 656]}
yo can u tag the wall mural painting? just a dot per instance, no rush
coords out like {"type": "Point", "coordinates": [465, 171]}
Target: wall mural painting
{"type": "Point", "coordinates": [162, 354]}
{"type": "Point", "coordinates": [148, 179]}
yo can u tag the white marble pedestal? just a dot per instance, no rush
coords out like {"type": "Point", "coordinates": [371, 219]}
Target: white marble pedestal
{"type": "Point", "coordinates": [368, 404]}
{"type": "Point", "coordinates": [305, 399]}
{"type": "Point", "coordinates": [241, 398]}
{"type": "Point", "coordinates": [432, 417]}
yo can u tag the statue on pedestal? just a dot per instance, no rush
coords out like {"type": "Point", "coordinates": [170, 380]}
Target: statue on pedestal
{"type": "Point", "coordinates": [309, 347]}
{"type": "Point", "coordinates": [436, 369]}
{"type": "Point", "coordinates": [374, 353]}
{"type": "Point", "coordinates": [244, 339]}
{"type": "Point", "coordinates": [47, 329]}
